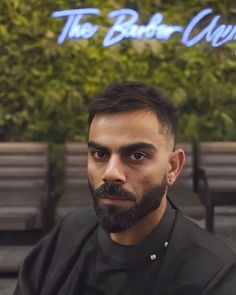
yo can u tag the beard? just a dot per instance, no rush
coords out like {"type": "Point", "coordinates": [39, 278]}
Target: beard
{"type": "Point", "coordinates": [112, 218]}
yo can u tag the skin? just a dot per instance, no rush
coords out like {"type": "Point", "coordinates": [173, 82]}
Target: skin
{"type": "Point", "coordinates": [134, 150]}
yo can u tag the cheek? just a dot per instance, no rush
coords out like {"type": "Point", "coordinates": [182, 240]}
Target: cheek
{"type": "Point", "coordinates": [146, 180]}
{"type": "Point", "coordinates": [139, 183]}
{"type": "Point", "coordinates": [94, 174]}
{"type": "Point", "coordinates": [91, 174]}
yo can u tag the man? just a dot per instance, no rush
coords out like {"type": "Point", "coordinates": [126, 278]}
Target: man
{"type": "Point", "coordinates": [137, 243]}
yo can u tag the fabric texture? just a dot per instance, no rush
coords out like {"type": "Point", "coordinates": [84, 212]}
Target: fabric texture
{"type": "Point", "coordinates": [195, 262]}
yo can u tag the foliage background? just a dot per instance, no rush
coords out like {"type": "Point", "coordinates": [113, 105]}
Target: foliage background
{"type": "Point", "coordinates": [45, 88]}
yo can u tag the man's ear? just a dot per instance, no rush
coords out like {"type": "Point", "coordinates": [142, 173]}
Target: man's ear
{"type": "Point", "coordinates": [176, 163]}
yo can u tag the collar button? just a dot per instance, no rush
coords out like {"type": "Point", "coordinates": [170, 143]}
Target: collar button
{"type": "Point", "coordinates": [153, 256]}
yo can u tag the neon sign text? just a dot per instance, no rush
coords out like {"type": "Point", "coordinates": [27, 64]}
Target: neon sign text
{"type": "Point", "coordinates": [123, 28]}
{"type": "Point", "coordinates": [72, 28]}
{"type": "Point", "coordinates": [126, 26]}
{"type": "Point", "coordinates": [217, 36]}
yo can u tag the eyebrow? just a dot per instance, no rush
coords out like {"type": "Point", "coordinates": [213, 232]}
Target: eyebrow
{"type": "Point", "coordinates": [138, 146]}
{"type": "Point", "coordinates": [94, 145]}
{"type": "Point", "coordinates": [125, 149]}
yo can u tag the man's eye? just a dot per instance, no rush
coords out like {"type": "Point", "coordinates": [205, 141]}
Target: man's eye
{"type": "Point", "coordinates": [137, 156]}
{"type": "Point", "coordinates": [99, 155]}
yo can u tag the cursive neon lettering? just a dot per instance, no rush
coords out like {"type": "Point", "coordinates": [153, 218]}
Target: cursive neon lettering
{"type": "Point", "coordinates": [210, 33]}
{"type": "Point", "coordinates": [125, 26]}
{"type": "Point", "coordinates": [192, 24]}
{"type": "Point", "coordinates": [73, 28]}
{"type": "Point", "coordinates": [125, 19]}
{"type": "Point", "coordinates": [221, 32]}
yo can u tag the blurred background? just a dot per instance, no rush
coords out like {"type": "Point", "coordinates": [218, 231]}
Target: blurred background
{"type": "Point", "coordinates": [45, 88]}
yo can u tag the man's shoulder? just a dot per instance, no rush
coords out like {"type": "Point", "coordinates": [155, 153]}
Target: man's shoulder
{"type": "Point", "coordinates": [205, 260]}
{"type": "Point", "coordinates": [205, 241]}
{"type": "Point", "coordinates": [75, 227]}
{"type": "Point", "coordinates": [81, 217]}
{"type": "Point", "coordinates": [57, 254]}
{"type": "Point", "coordinates": [79, 222]}
{"type": "Point", "coordinates": [196, 260]}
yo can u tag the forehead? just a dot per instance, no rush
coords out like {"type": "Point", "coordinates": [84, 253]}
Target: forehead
{"type": "Point", "coordinates": [127, 128]}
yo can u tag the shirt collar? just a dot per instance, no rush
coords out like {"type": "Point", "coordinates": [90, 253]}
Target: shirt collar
{"type": "Point", "coordinates": [151, 249]}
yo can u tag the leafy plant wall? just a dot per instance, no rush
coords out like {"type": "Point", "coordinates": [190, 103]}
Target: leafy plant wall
{"type": "Point", "coordinates": [45, 88]}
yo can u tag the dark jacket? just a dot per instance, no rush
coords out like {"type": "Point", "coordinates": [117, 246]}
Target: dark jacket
{"type": "Point", "coordinates": [195, 263]}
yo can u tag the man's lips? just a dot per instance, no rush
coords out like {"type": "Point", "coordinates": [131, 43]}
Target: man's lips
{"type": "Point", "coordinates": [113, 201]}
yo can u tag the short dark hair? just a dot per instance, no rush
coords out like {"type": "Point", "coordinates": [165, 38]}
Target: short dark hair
{"type": "Point", "coordinates": [131, 96]}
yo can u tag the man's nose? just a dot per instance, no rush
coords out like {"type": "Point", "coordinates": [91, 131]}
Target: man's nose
{"type": "Point", "coordinates": [115, 171]}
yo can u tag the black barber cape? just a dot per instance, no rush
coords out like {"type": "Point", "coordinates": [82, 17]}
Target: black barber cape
{"type": "Point", "coordinates": [182, 260]}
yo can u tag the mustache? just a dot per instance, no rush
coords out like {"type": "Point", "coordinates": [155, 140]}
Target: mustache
{"type": "Point", "coordinates": [113, 191]}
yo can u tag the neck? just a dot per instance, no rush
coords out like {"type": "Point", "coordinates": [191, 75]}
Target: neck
{"type": "Point", "coordinates": [140, 231]}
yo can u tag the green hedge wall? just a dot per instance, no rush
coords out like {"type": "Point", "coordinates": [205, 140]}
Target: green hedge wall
{"type": "Point", "coordinates": [45, 88]}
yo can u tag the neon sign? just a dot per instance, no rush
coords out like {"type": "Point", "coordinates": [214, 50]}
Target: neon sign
{"type": "Point", "coordinates": [125, 26]}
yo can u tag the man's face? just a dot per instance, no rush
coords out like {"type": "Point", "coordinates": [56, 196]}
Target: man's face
{"type": "Point", "coordinates": [127, 167]}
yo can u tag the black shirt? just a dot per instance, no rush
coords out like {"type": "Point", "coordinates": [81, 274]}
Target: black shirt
{"type": "Point", "coordinates": [71, 261]}
{"type": "Point", "coordinates": [110, 268]}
